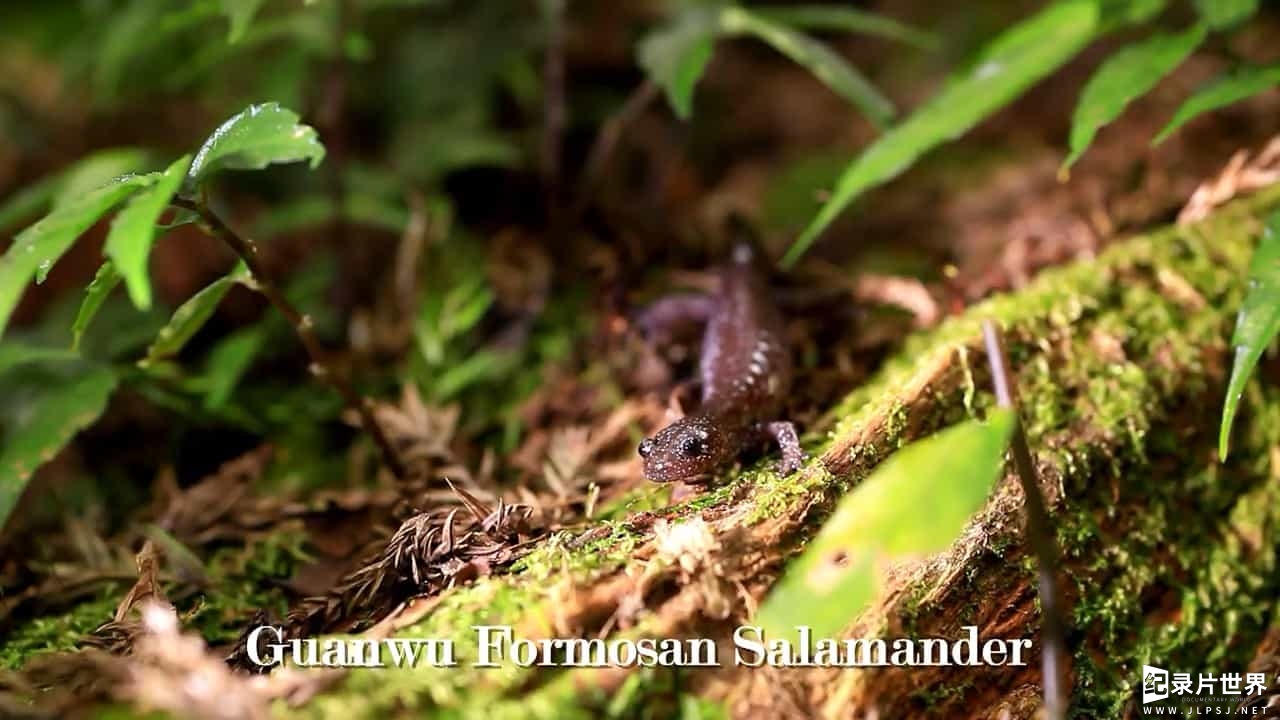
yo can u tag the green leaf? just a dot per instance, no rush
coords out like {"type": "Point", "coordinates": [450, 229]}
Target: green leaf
{"type": "Point", "coordinates": [834, 71]}
{"type": "Point", "coordinates": [241, 13]}
{"type": "Point", "coordinates": [262, 135]}
{"type": "Point", "coordinates": [1126, 75]}
{"type": "Point", "coordinates": [446, 148]}
{"type": "Point", "coordinates": [192, 315]}
{"type": "Point", "coordinates": [445, 315]}
{"type": "Point", "coordinates": [1008, 65]}
{"type": "Point", "coordinates": [1117, 14]}
{"type": "Point", "coordinates": [37, 248]}
{"type": "Point", "coordinates": [103, 283]}
{"type": "Point", "coordinates": [480, 366]}
{"type": "Point", "coordinates": [45, 423]}
{"type": "Point", "coordinates": [844, 19]}
{"type": "Point", "coordinates": [916, 503]}
{"type": "Point", "coordinates": [89, 173]}
{"type": "Point", "coordinates": [1256, 325]}
{"type": "Point", "coordinates": [14, 353]}
{"type": "Point", "coordinates": [675, 55]}
{"type": "Point", "coordinates": [142, 37]}
{"type": "Point", "coordinates": [186, 565]}
{"type": "Point", "coordinates": [134, 230]}
{"type": "Point", "coordinates": [28, 202]}
{"type": "Point", "coordinates": [1226, 14]}
{"type": "Point", "coordinates": [1224, 90]}
{"type": "Point", "coordinates": [229, 361]}
{"type": "Point", "coordinates": [794, 190]}
{"type": "Point", "coordinates": [310, 210]}
{"type": "Point", "coordinates": [97, 170]}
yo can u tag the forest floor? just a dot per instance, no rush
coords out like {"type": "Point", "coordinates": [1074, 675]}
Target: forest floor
{"type": "Point", "coordinates": [1117, 318]}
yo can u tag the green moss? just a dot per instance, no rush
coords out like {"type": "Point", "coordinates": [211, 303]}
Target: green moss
{"type": "Point", "coordinates": [1115, 430]}
{"type": "Point", "coordinates": [244, 580]}
{"type": "Point", "coordinates": [1117, 433]}
{"type": "Point", "coordinates": [1208, 590]}
{"type": "Point", "coordinates": [1103, 421]}
{"type": "Point", "coordinates": [646, 497]}
{"type": "Point", "coordinates": [54, 633]}
{"type": "Point", "coordinates": [935, 695]}
{"type": "Point", "coordinates": [381, 692]}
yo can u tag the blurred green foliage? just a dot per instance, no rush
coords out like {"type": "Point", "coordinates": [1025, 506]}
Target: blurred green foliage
{"type": "Point", "coordinates": [1257, 324]}
{"type": "Point", "coordinates": [213, 56]}
{"type": "Point", "coordinates": [401, 95]}
{"type": "Point", "coordinates": [903, 510]}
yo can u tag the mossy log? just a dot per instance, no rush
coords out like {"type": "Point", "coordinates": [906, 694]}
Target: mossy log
{"type": "Point", "coordinates": [1169, 556]}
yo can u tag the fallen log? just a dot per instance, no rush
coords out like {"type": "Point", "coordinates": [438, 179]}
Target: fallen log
{"type": "Point", "coordinates": [1169, 557]}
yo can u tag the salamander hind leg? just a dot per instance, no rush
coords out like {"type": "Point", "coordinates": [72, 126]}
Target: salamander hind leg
{"type": "Point", "coordinates": [784, 433]}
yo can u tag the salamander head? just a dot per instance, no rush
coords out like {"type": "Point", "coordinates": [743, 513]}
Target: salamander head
{"type": "Point", "coordinates": [686, 450]}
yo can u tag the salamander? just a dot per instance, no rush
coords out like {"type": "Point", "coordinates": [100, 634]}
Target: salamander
{"type": "Point", "coordinates": [745, 373]}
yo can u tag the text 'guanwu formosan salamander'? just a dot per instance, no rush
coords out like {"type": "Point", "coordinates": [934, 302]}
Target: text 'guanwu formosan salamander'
{"type": "Point", "coordinates": [745, 369]}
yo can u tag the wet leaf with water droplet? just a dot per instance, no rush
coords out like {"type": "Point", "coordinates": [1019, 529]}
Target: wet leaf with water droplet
{"type": "Point", "coordinates": [262, 135]}
{"type": "Point", "coordinates": [37, 248]}
{"type": "Point", "coordinates": [134, 230]}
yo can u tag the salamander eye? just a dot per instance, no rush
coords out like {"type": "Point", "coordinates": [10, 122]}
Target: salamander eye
{"type": "Point", "coordinates": [646, 447]}
{"type": "Point", "coordinates": [692, 447]}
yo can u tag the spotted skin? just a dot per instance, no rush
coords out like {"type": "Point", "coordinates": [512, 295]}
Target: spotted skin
{"type": "Point", "coordinates": [745, 370]}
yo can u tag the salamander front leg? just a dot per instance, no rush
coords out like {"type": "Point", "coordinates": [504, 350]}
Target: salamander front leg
{"type": "Point", "coordinates": [784, 433]}
{"type": "Point", "coordinates": [662, 322]}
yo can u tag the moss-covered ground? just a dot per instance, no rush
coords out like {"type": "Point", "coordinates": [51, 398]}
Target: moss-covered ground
{"type": "Point", "coordinates": [1169, 556]}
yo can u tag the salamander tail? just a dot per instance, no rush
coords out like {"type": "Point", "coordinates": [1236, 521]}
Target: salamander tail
{"type": "Point", "coordinates": [746, 242]}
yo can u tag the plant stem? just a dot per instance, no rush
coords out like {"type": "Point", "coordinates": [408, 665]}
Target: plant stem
{"type": "Point", "coordinates": [1039, 532]}
{"type": "Point", "coordinates": [320, 367]}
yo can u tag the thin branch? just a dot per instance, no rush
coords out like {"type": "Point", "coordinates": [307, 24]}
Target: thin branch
{"type": "Point", "coordinates": [554, 109]}
{"type": "Point", "coordinates": [1039, 534]}
{"type": "Point", "coordinates": [607, 140]}
{"type": "Point", "coordinates": [320, 367]}
{"type": "Point", "coordinates": [332, 115]}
